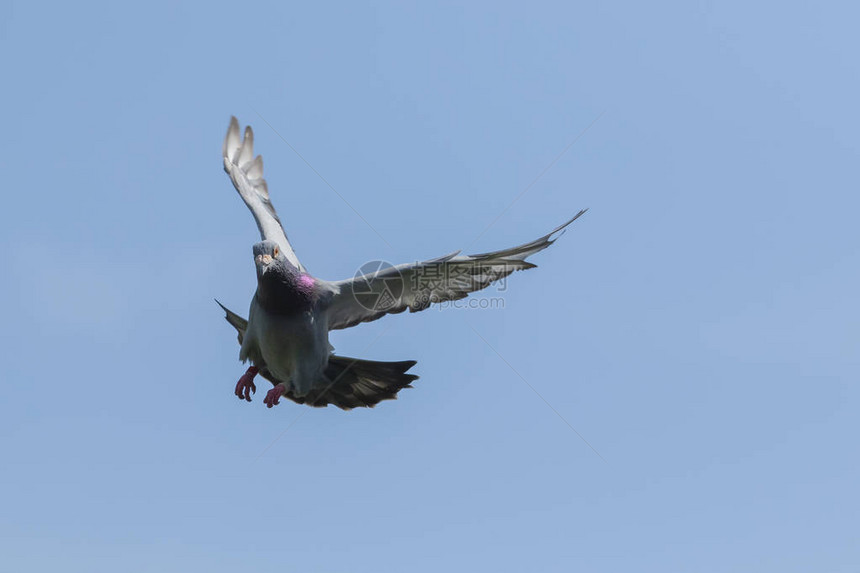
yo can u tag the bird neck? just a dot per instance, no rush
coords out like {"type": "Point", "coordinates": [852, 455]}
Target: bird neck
{"type": "Point", "coordinates": [286, 291]}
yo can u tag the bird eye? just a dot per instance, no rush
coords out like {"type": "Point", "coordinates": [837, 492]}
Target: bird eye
{"type": "Point", "coordinates": [275, 252]}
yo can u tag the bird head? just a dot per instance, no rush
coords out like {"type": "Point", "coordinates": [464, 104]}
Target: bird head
{"type": "Point", "coordinates": [267, 254]}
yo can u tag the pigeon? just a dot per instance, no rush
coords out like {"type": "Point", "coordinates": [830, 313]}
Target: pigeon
{"type": "Point", "coordinates": [286, 335]}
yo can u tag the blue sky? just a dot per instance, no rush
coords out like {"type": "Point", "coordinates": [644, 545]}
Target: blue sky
{"type": "Point", "coordinates": [699, 326]}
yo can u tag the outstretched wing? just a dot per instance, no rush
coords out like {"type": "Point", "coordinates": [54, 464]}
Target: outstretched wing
{"type": "Point", "coordinates": [416, 286]}
{"type": "Point", "coordinates": [246, 173]}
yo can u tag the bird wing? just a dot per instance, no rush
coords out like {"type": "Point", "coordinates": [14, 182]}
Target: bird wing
{"type": "Point", "coordinates": [246, 173]}
{"type": "Point", "coordinates": [239, 323]}
{"type": "Point", "coordinates": [415, 286]}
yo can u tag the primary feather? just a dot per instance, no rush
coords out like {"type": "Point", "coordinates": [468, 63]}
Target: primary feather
{"type": "Point", "coordinates": [246, 173]}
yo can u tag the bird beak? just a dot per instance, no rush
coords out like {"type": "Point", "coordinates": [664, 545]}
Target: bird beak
{"type": "Point", "coordinates": [264, 260]}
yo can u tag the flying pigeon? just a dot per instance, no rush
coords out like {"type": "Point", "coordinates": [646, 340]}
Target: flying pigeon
{"type": "Point", "coordinates": [286, 334]}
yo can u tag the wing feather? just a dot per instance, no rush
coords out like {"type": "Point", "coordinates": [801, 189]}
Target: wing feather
{"type": "Point", "coordinates": [246, 173]}
{"type": "Point", "coordinates": [451, 277]}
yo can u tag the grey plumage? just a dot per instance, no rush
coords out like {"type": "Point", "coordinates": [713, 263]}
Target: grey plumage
{"type": "Point", "coordinates": [464, 274]}
{"type": "Point", "coordinates": [246, 173]}
{"type": "Point", "coordinates": [291, 313]}
{"type": "Point", "coordinates": [350, 382]}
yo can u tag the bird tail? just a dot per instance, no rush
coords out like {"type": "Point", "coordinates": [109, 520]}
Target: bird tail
{"type": "Point", "coordinates": [352, 383]}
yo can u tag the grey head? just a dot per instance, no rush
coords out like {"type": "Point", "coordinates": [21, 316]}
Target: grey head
{"type": "Point", "coordinates": [268, 257]}
{"type": "Point", "coordinates": [281, 287]}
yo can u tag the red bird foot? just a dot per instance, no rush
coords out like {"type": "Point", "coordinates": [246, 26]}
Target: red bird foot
{"type": "Point", "coordinates": [245, 385]}
{"type": "Point", "coordinates": [273, 396]}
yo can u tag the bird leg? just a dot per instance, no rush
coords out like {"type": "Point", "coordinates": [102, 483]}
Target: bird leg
{"type": "Point", "coordinates": [245, 385]}
{"type": "Point", "coordinates": [273, 396]}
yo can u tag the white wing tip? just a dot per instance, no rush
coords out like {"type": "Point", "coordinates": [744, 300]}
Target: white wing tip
{"type": "Point", "coordinates": [246, 151]}
{"type": "Point", "coordinates": [231, 140]}
{"type": "Point", "coordinates": [238, 153]}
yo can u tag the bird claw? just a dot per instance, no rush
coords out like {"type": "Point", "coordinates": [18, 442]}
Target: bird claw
{"type": "Point", "coordinates": [273, 396]}
{"type": "Point", "coordinates": [246, 385]}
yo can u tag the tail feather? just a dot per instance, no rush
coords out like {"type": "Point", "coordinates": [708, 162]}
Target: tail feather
{"type": "Point", "coordinates": [353, 383]}
{"type": "Point", "coordinates": [347, 382]}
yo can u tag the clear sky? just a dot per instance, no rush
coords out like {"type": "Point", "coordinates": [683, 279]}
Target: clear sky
{"type": "Point", "coordinates": [699, 326]}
